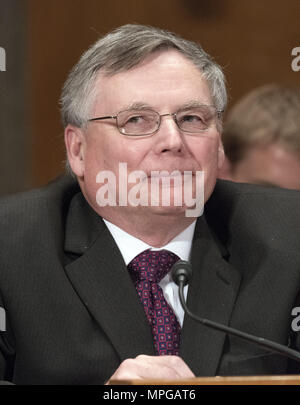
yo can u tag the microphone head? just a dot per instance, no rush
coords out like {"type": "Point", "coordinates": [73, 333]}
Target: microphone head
{"type": "Point", "coordinates": [181, 272]}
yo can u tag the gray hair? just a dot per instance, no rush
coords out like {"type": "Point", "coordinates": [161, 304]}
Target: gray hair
{"type": "Point", "coordinates": [121, 50]}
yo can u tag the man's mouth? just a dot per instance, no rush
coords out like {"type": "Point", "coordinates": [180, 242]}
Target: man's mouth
{"type": "Point", "coordinates": [161, 173]}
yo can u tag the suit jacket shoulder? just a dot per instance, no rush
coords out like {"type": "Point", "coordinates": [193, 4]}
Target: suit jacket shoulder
{"type": "Point", "coordinates": [256, 215]}
{"type": "Point", "coordinates": [25, 217]}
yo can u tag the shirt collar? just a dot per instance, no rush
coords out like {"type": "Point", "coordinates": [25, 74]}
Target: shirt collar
{"type": "Point", "coordinates": [131, 246]}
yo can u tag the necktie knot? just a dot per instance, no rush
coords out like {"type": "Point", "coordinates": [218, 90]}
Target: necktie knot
{"type": "Point", "coordinates": [152, 265]}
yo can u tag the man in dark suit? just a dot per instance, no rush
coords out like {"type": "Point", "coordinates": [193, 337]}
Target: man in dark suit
{"type": "Point", "coordinates": [80, 258]}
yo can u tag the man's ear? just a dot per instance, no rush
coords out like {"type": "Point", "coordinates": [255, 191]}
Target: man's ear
{"type": "Point", "coordinates": [221, 155]}
{"type": "Point", "coordinates": [75, 146]}
{"type": "Point", "coordinates": [225, 171]}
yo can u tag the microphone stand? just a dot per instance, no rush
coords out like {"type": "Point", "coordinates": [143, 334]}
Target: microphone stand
{"type": "Point", "coordinates": [268, 344]}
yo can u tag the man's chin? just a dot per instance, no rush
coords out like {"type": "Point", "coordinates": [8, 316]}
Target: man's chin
{"type": "Point", "coordinates": [177, 211]}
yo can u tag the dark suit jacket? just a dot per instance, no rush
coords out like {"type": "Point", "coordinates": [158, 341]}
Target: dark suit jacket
{"type": "Point", "coordinates": [73, 313]}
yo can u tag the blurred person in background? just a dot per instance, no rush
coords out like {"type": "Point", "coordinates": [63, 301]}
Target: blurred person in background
{"type": "Point", "coordinates": [261, 138]}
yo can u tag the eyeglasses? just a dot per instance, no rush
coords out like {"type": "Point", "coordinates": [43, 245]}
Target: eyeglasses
{"type": "Point", "coordinates": [140, 122]}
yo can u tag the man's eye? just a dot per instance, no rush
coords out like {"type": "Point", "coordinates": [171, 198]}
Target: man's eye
{"type": "Point", "coordinates": [134, 119]}
{"type": "Point", "coordinates": [192, 118]}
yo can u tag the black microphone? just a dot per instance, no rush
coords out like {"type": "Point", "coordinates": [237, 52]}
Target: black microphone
{"type": "Point", "coordinates": [181, 273]}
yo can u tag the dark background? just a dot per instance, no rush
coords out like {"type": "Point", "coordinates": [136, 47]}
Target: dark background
{"type": "Point", "coordinates": [252, 40]}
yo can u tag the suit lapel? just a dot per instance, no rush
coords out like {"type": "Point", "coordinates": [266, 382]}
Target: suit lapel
{"type": "Point", "coordinates": [211, 295]}
{"type": "Point", "coordinates": [101, 280]}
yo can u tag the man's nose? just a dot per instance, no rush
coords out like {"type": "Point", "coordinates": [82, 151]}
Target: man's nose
{"type": "Point", "coordinates": [169, 137]}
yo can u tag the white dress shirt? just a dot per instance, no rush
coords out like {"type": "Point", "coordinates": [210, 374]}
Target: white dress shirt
{"type": "Point", "coordinates": [181, 245]}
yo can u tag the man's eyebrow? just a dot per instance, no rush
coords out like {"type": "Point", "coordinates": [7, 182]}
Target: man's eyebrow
{"type": "Point", "coordinates": [192, 104]}
{"type": "Point", "coordinates": [142, 105]}
{"type": "Point", "coordinates": [139, 105]}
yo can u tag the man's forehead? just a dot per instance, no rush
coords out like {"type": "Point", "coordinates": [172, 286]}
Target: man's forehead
{"type": "Point", "coordinates": [183, 86]}
{"type": "Point", "coordinates": [159, 62]}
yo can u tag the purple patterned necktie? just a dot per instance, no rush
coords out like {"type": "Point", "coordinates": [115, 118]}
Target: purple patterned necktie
{"type": "Point", "coordinates": [147, 270]}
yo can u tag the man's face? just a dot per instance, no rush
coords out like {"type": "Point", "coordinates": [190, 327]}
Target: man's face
{"type": "Point", "coordinates": [165, 82]}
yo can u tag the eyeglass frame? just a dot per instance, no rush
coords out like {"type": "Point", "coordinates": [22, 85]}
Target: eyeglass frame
{"type": "Point", "coordinates": [174, 115]}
